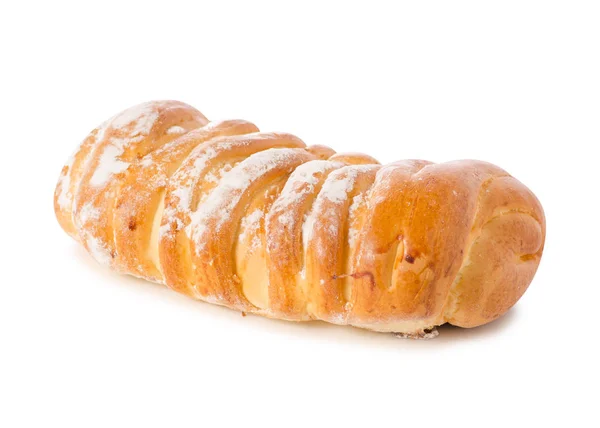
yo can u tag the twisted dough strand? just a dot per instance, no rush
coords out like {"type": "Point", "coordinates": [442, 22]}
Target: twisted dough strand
{"type": "Point", "coordinates": [261, 223]}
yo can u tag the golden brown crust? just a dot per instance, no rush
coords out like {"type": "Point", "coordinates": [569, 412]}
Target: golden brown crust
{"type": "Point", "coordinates": [99, 166]}
{"type": "Point", "coordinates": [213, 239]}
{"type": "Point", "coordinates": [261, 223]}
{"type": "Point", "coordinates": [506, 244]}
{"type": "Point", "coordinates": [328, 242]}
{"type": "Point", "coordinates": [193, 182]}
{"type": "Point", "coordinates": [143, 190]}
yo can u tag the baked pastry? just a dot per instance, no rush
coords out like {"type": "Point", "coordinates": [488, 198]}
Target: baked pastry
{"type": "Point", "coordinates": [261, 223]}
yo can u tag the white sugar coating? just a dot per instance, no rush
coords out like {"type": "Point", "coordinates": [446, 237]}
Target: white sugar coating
{"type": "Point", "coordinates": [108, 165]}
{"type": "Point", "coordinates": [201, 161]}
{"type": "Point", "coordinates": [65, 198]}
{"type": "Point", "coordinates": [97, 249]}
{"type": "Point", "coordinates": [175, 130]}
{"type": "Point", "coordinates": [251, 223]}
{"type": "Point", "coordinates": [88, 213]}
{"type": "Point", "coordinates": [337, 186]}
{"type": "Point", "coordinates": [183, 193]}
{"type": "Point", "coordinates": [333, 229]}
{"type": "Point", "coordinates": [136, 123]}
{"type": "Point", "coordinates": [300, 183]}
{"type": "Point", "coordinates": [335, 189]}
{"type": "Point", "coordinates": [250, 226]}
{"type": "Point", "coordinates": [307, 229]}
{"type": "Point", "coordinates": [65, 195]}
{"type": "Point", "coordinates": [227, 195]}
{"type": "Point", "coordinates": [307, 172]}
{"type": "Point", "coordinates": [202, 155]}
{"type": "Point", "coordinates": [140, 118]}
{"type": "Point", "coordinates": [287, 219]}
{"type": "Point", "coordinates": [338, 318]}
{"type": "Point", "coordinates": [211, 178]}
{"type": "Point", "coordinates": [101, 131]}
{"type": "Point", "coordinates": [357, 201]}
{"type": "Point", "coordinates": [165, 229]}
{"type": "Point", "coordinates": [383, 180]}
{"type": "Point", "coordinates": [214, 298]}
{"type": "Point", "coordinates": [185, 190]}
{"type": "Point", "coordinates": [147, 161]}
{"type": "Point", "coordinates": [184, 196]}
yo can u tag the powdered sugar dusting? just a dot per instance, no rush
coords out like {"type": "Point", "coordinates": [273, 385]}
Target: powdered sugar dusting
{"type": "Point", "coordinates": [98, 249]}
{"type": "Point", "coordinates": [307, 229]}
{"type": "Point", "coordinates": [357, 201]}
{"type": "Point", "coordinates": [216, 177]}
{"type": "Point", "coordinates": [337, 318]}
{"type": "Point", "coordinates": [147, 161]}
{"type": "Point", "coordinates": [65, 198]}
{"type": "Point", "coordinates": [88, 213]}
{"type": "Point", "coordinates": [300, 183]}
{"type": "Point", "coordinates": [286, 219]}
{"type": "Point", "coordinates": [339, 184]}
{"type": "Point", "coordinates": [336, 189]}
{"type": "Point", "coordinates": [214, 298]}
{"type": "Point", "coordinates": [101, 132]}
{"type": "Point", "coordinates": [175, 130]}
{"type": "Point", "coordinates": [136, 123]}
{"type": "Point", "coordinates": [383, 180]}
{"type": "Point", "coordinates": [166, 228]}
{"type": "Point", "coordinates": [108, 165]}
{"type": "Point", "coordinates": [216, 209]}
{"type": "Point", "coordinates": [65, 194]}
{"type": "Point", "coordinates": [202, 155]}
{"type": "Point", "coordinates": [250, 225]}
{"type": "Point", "coordinates": [95, 246]}
{"type": "Point", "coordinates": [140, 119]}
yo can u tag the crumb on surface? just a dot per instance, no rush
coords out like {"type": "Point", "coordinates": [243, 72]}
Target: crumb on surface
{"type": "Point", "coordinates": [426, 334]}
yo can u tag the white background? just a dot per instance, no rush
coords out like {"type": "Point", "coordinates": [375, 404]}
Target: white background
{"type": "Point", "coordinates": [516, 83]}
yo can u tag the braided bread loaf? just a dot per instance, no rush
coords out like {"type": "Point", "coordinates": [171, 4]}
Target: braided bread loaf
{"type": "Point", "coordinates": [261, 223]}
